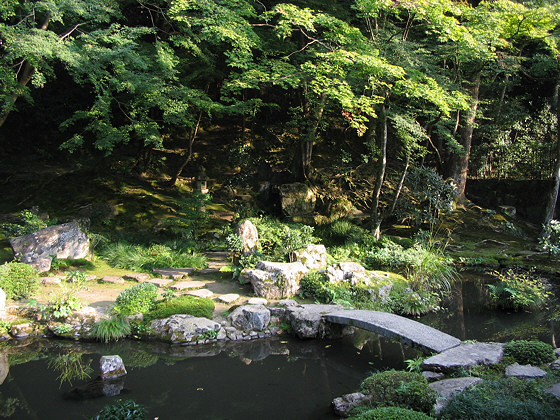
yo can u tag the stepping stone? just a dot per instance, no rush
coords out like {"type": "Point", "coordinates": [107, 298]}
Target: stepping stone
{"type": "Point", "coordinates": [448, 387]}
{"type": "Point", "coordinates": [160, 282]}
{"type": "Point", "coordinates": [203, 293]}
{"type": "Point", "coordinates": [187, 285]}
{"type": "Point", "coordinates": [50, 280]}
{"type": "Point", "coordinates": [174, 273]}
{"type": "Point", "coordinates": [524, 371]}
{"type": "Point", "coordinates": [139, 277]}
{"type": "Point", "coordinates": [257, 301]}
{"type": "Point", "coordinates": [207, 271]}
{"type": "Point", "coordinates": [91, 277]}
{"type": "Point", "coordinates": [229, 298]}
{"type": "Point", "coordinates": [112, 279]}
{"type": "Point", "coordinates": [465, 355]}
{"type": "Point", "coordinates": [554, 390]}
{"type": "Point", "coordinates": [432, 376]}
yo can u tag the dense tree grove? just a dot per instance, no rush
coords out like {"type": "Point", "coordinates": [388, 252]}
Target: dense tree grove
{"type": "Point", "coordinates": [462, 87]}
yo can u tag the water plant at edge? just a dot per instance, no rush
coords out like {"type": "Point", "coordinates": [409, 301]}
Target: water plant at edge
{"type": "Point", "coordinates": [122, 410]}
{"type": "Point", "coordinates": [111, 329]}
{"type": "Point", "coordinates": [518, 290]}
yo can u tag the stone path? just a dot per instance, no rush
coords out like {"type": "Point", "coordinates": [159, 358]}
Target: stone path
{"type": "Point", "coordinates": [395, 326]}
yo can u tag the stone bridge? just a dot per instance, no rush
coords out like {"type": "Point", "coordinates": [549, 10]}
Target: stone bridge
{"type": "Point", "coordinates": [395, 326]}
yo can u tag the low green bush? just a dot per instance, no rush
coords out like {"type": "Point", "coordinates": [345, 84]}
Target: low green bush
{"type": "Point", "coordinates": [29, 222]}
{"type": "Point", "coordinates": [315, 285]}
{"type": "Point", "coordinates": [142, 258]}
{"type": "Point", "coordinates": [112, 329]}
{"type": "Point", "coordinates": [18, 280]}
{"type": "Point", "coordinates": [190, 305]}
{"type": "Point", "coordinates": [122, 410]}
{"type": "Point", "coordinates": [504, 399]}
{"type": "Point", "coordinates": [389, 413]}
{"type": "Point", "coordinates": [531, 352]}
{"type": "Point", "coordinates": [550, 237]}
{"type": "Point", "coordinates": [137, 299]}
{"type": "Point", "coordinates": [400, 389]}
{"type": "Point", "coordinates": [519, 291]}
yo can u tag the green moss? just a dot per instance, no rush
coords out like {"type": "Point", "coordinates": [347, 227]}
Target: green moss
{"type": "Point", "coordinates": [190, 305]}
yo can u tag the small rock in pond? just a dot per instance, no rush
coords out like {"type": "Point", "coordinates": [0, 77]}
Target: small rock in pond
{"type": "Point", "coordinates": [343, 405]}
{"type": "Point", "coordinates": [111, 367]}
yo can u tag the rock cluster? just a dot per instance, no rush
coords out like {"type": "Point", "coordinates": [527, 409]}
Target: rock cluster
{"type": "Point", "coordinates": [275, 280]}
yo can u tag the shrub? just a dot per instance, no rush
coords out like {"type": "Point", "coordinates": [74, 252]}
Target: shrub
{"type": "Point", "coordinates": [518, 291]}
{"type": "Point", "coordinates": [66, 301]}
{"type": "Point", "coordinates": [505, 399]}
{"type": "Point", "coordinates": [390, 413]}
{"type": "Point", "coordinates": [400, 389]}
{"type": "Point", "coordinates": [530, 352]}
{"type": "Point", "coordinates": [550, 237]}
{"type": "Point", "coordinates": [30, 222]}
{"type": "Point", "coordinates": [411, 302]}
{"type": "Point", "coordinates": [111, 329]}
{"type": "Point", "coordinates": [137, 299]}
{"type": "Point", "coordinates": [315, 285]}
{"type": "Point", "coordinates": [141, 258]}
{"type": "Point", "coordinates": [190, 305]}
{"type": "Point", "coordinates": [18, 280]}
{"type": "Point", "coordinates": [122, 410]}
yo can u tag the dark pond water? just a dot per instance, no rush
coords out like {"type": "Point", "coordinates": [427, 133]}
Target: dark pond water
{"type": "Point", "coordinates": [272, 379]}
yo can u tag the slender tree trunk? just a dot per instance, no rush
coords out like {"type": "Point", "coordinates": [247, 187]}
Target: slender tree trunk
{"type": "Point", "coordinates": [381, 139]}
{"type": "Point", "coordinates": [189, 153]}
{"type": "Point", "coordinates": [553, 195]}
{"type": "Point", "coordinates": [23, 80]}
{"type": "Point", "coordinates": [302, 160]}
{"type": "Point", "coordinates": [460, 162]}
{"type": "Point", "coordinates": [401, 184]}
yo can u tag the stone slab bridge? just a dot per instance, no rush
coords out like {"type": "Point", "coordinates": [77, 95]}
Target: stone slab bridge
{"type": "Point", "coordinates": [395, 326]}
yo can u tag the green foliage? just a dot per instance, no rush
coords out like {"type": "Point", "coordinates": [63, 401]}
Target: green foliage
{"type": "Point", "coordinates": [408, 301]}
{"type": "Point", "coordinates": [189, 305]}
{"type": "Point", "coordinates": [63, 329]}
{"type": "Point", "coordinates": [137, 299]}
{"type": "Point", "coordinates": [530, 352]}
{"type": "Point", "coordinates": [342, 231]}
{"type": "Point", "coordinates": [315, 285]}
{"type": "Point", "coordinates": [66, 263]}
{"type": "Point", "coordinates": [414, 365]}
{"type": "Point", "coordinates": [389, 413]}
{"type": "Point", "coordinates": [550, 237]}
{"type": "Point", "coordinates": [122, 410]}
{"type": "Point", "coordinates": [66, 301]}
{"type": "Point", "coordinates": [400, 389]}
{"type": "Point", "coordinates": [191, 217]}
{"type": "Point", "coordinates": [30, 222]}
{"type": "Point", "coordinates": [519, 291]}
{"type": "Point", "coordinates": [112, 329]}
{"type": "Point", "coordinates": [278, 240]}
{"type": "Point", "coordinates": [141, 258]}
{"type": "Point", "coordinates": [504, 399]}
{"type": "Point", "coordinates": [427, 197]}
{"type": "Point", "coordinates": [18, 280]}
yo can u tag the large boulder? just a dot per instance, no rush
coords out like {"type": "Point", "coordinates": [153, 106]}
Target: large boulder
{"type": "Point", "coordinates": [249, 235]}
{"type": "Point", "coordinates": [250, 318]}
{"type": "Point", "coordinates": [4, 367]}
{"type": "Point", "coordinates": [2, 302]}
{"type": "Point", "coordinates": [274, 280]}
{"type": "Point", "coordinates": [297, 199]}
{"type": "Point", "coordinates": [313, 257]}
{"type": "Point", "coordinates": [63, 241]}
{"type": "Point", "coordinates": [308, 321]}
{"type": "Point", "coordinates": [184, 328]}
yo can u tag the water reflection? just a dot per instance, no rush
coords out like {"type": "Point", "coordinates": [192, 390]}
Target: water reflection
{"type": "Point", "coordinates": [275, 378]}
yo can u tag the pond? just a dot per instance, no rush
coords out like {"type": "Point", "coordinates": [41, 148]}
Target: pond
{"type": "Point", "coordinates": [274, 379]}
{"type": "Point", "coordinates": [280, 378]}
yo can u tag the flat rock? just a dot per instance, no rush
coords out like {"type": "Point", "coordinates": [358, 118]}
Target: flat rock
{"type": "Point", "coordinates": [395, 326]}
{"type": "Point", "coordinates": [183, 328]}
{"type": "Point", "coordinates": [555, 365]}
{"type": "Point", "coordinates": [447, 387]}
{"type": "Point", "coordinates": [181, 285]}
{"type": "Point", "coordinates": [343, 405]}
{"type": "Point", "coordinates": [50, 280]}
{"type": "Point", "coordinates": [524, 371]}
{"type": "Point", "coordinates": [465, 355]}
{"type": "Point", "coordinates": [174, 273]}
{"type": "Point", "coordinates": [229, 298]}
{"type": "Point", "coordinates": [203, 293]}
{"type": "Point", "coordinates": [139, 277]}
{"type": "Point", "coordinates": [554, 390]}
{"type": "Point", "coordinates": [112, 279]}
{"type": "Point", "coordinates": [257, 301]}
{"type": "Point", "coordinates": [432, 376]}
{"type": "Point", "coordinates": [160, 282]}
{"type": "Point", "coordinates": [250, 318]}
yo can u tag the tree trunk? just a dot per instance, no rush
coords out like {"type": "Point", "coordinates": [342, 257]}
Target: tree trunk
{"type": "Point", "coordinates": [460, 162]}
{"type": "Point", "coordinates": [23, 80]}
{"type": "Point", "coordinates": [189, 154]}
{"type": "Point", "coordinates": [553, 194]}
{"type": "Point", "coordinates": [381, 139]}
{"type": "Point", "coordinates": [302, 159]}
